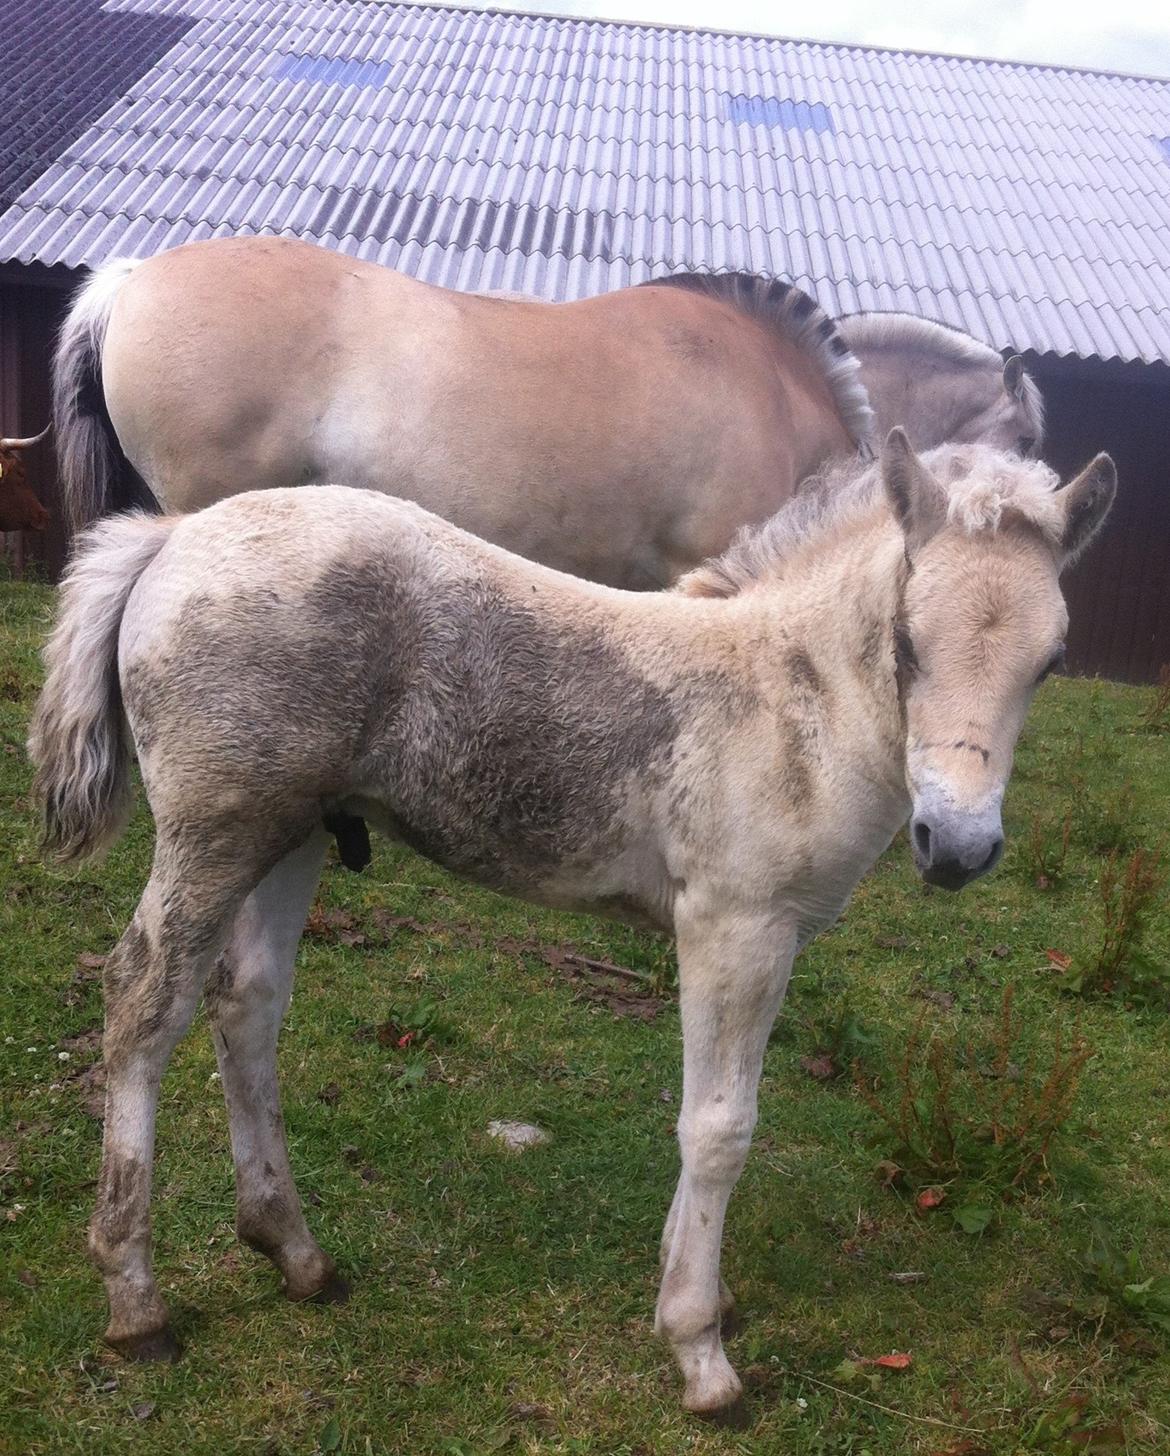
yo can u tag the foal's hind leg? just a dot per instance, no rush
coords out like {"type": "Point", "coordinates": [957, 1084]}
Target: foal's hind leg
{"type": "Point", "coordinates": [247, 997]}
{"type": "Point", "coordinates": [153, 978]}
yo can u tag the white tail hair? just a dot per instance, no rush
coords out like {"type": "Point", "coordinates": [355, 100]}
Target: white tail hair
{"type": "Point", "coordinates": [79, 742]}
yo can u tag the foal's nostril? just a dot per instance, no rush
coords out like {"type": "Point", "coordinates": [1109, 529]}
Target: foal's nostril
{"type": "Point", "coordinates": [922, 839]}
{"type": "Point", "coordinates": [993, 857]}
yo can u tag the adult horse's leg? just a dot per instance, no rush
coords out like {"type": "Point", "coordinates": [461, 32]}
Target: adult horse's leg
{"type": "Point", "coordinates": [153, 978]}
{"type": "Point", "coordinates": [247, 997]}
{"type": "Point", "coordinates": [732, 971]}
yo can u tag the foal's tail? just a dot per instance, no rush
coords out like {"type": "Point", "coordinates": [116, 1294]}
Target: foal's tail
{"type": "Point", "coordinates": [79, 741]}
{"type": "Point", "coordinates": [96, 477]}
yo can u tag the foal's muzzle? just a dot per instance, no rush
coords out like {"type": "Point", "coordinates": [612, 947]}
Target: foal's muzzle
{"type": "Point", "coordinates": [953, 850]}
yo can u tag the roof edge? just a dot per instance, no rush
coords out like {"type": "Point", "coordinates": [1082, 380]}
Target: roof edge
{"type": "Point", "coordinates": [840, 45]}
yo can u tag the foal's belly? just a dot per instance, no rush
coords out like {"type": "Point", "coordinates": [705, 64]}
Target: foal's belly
{"type": "Point", "coordinates": [628, 885]}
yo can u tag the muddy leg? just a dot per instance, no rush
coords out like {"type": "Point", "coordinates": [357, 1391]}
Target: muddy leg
{"type": "Point", "coordinates": [732, 973]}
{"type": "Point", "coordinates": [247, 997]}
{"type": "Point", "coordinates": [153, 980]}
{"type": "Point", "coordinates": [726, 1298]}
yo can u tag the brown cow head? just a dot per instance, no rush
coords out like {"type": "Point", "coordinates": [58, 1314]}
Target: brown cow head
{"type": "Point", "coordinates": [20, 510]}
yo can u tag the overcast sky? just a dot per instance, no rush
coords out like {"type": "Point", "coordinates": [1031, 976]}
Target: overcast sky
{"type": "Point", "coordinates": [1117, 35]}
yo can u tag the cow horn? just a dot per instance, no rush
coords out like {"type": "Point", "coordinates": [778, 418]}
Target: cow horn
{"type": "Point", "coordinates": [26, 442]}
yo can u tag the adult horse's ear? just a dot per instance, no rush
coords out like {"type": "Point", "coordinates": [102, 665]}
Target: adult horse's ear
{"type": "Point", "coordinates": [1086, 502]}
{"type": "Point", "coordinates": [1013, 376]}
{"type": "Point", "coordinates": [919, 502]}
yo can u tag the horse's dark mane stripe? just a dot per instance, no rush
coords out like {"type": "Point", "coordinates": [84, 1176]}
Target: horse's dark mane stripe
{"type": "Point", "coordinates": [800, 319]}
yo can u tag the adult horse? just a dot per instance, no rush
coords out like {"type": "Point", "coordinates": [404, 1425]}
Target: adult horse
{"type": "Point", "coordinates": [623, 438]}
{"type": "Point", "coordinates": [724, 760]}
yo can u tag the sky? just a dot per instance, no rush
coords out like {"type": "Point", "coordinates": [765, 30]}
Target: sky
{"type": "Point", "coordinates": [1120, 35]}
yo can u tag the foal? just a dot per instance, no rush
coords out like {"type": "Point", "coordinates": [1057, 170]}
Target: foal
{"type": "Point", "coordinates": [725, 761]}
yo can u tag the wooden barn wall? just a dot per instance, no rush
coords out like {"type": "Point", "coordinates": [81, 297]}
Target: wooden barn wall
{"type": "Point", "coordinates": [1119, 594]}
{"type": "Point", "coordinates": [32, 303]}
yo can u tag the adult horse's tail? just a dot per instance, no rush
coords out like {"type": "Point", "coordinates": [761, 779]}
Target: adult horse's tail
{"type": "Point", "coordinates": [95, 475]}
{"type": "Point", "coordinates": [79, 741]}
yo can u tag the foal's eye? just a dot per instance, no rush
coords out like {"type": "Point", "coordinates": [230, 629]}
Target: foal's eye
{"type": "Point", "coordinates": [1027, 444]}
{"type": "Point", "coordinates": [905, 658]}
{"type": "Point", "coordinates": [1054, 664]}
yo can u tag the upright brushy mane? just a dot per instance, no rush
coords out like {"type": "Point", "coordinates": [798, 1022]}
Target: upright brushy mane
{"type": "Point", "coordinates": [985, 487]}
{"type": "Point", "coordinates": [905, 331]}
{"type": "Point", "coordinates": [802, 321]}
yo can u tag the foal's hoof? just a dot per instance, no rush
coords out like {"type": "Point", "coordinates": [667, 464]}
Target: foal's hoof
{"type": "Point", "coordinates": [717, 1396]}
{"type": "Point", "coordinates": [733, 1417]}
{"type": "Point", "coordinates": [158, 1345]}
{"type": "Point", "coordinates": [335, 1290]}
{"type": "Point", "coordinates": [731, 1323]}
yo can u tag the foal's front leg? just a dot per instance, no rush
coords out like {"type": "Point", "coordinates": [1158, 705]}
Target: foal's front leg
{"type": "Point", "coordinates": [732, 971]}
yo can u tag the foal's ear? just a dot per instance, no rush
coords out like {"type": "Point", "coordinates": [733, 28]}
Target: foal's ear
{"type": "Point", "coordinates": [1086, 502]}
{"type": "Point", "coordinates": [1013, 376]}
{"type": "Point", "coordinates": [919, 502]}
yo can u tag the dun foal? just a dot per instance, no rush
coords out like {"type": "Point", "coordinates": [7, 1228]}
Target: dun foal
{"type": "Point", "coordinates": [724, 761]}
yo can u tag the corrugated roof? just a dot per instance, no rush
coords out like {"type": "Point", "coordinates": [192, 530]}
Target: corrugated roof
{"type": "Point", "coordinates": [1027, 205]}
{"type": "Point", "coordinates": [61, 66]}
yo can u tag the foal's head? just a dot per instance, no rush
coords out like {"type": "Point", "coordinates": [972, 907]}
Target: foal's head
{"type": "Point", "coordinates": [983, 623]}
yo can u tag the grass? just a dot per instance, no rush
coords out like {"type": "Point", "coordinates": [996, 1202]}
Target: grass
{"type": "Point", "coordinates": [504, 1303]}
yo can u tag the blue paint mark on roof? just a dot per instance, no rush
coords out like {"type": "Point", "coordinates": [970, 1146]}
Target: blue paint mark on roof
{"type": "Point", "coordinates": [333, 71]}
{"type": "Point", "coordinates": [780, 111]}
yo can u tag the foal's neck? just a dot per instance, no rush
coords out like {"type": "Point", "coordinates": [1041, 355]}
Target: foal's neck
{"type": "Point", "coordinates": [837, 602]}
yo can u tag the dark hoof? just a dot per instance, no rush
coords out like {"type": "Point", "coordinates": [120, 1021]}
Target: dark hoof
{"type": "Point", "coordinates": [335, 1290]}
{"type": "Point", "coordinates": [731, 1324]}
{"type": "Point", "coordinates": [733, 1417]}
{"type": "Point", "coordinates": [156, 1346]}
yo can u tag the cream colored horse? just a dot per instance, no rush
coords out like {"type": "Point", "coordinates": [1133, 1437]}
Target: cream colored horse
{"type": "Point", "coordinates": [623, 438]}
{"type": "Point", "coordinates": [724, 761]}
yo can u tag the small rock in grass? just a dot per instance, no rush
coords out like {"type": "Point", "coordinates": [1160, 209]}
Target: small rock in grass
{"type": "Point", "coordinates": [516, 1136]}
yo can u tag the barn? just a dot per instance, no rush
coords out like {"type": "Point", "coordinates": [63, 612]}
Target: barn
{"type": "Point", "coordinates": [1028, 205]}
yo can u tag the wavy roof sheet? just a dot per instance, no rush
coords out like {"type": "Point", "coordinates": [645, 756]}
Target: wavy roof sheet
{"type": "Point", "coordinates": [1028, 205]}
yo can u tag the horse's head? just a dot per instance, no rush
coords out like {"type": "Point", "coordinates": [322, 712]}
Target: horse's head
{"type": "Point", "coordinates": [20, 510]}
{"type": "Point", "coordinates": [983, 623]}
{"type": "Point", "coordinates": [943, 386]}
{"type": "Point", "coordinates": [1008, 413]}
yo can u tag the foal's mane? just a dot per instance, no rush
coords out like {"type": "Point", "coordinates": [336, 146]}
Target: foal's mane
{"type": "Point", "coordinates": [986, 488]}
{"type": "Point", "coordinates": [800, 320]}
{"type": "Point", "coordinates": [907, 332]}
